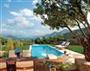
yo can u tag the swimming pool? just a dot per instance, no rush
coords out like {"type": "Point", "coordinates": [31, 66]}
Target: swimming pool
{"type": "Point", "coordinates": [41, 51]}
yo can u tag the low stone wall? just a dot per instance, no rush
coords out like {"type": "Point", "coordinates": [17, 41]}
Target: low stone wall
{"type": "Point", "coordinates": [82, 64]}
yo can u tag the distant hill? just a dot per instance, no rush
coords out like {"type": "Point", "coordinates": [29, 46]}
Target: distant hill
{"type": "Point", "coordinates": [69, 35]}
{"type": "Point", "coordinates": [18, 37]}
{"type": "Point", "coordinates": [34, 37]}
{"type": "Point", "coordinates": [64, 31]}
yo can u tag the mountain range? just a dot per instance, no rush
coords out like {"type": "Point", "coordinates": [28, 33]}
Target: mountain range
{"type": "Point", "coordinates": [64, 31]}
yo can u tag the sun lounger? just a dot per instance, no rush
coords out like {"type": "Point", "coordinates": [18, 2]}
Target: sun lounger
{"type": "Point", "coordinates": [25, 66]}
{"type": "Point", "coordinates": [12, 54]}
{"type": "Point", "coordinates": [3, 66]}
{"type": "Point", "coordinates": [63, 45]}
{"type": "Point", "coordinates": [26, 53]}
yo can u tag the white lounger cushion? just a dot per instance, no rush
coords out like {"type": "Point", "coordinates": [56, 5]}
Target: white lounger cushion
{"type": "Point", "coordinates": [51, 56]}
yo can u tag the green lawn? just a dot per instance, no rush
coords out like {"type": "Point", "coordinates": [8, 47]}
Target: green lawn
{"type": "Point", "coordinates": [76, 48]}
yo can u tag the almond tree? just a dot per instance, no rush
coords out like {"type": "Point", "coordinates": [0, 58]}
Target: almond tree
{"type": "Point", "coordinates": [67, 13]}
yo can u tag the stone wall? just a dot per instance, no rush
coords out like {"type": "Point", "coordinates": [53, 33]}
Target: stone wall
{"type": "Point", "coordinates": [82, 64]}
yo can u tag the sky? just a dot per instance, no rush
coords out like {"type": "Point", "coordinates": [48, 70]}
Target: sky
{"type": "Point", "coordinates": [17, 19]}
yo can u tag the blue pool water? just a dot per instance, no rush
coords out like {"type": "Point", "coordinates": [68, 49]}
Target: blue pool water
{"type": "Point", "coordinates": [41, 51]}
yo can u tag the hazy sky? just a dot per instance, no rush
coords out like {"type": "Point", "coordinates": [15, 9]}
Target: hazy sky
{"type": "Point", "coordinates": [17, 18]}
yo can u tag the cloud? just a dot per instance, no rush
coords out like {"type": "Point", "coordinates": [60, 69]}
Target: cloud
{"type": "Point", "coordinates": [25, 17]}
{"type": "Point", "coordinates": [37, 18]}
{"type": "Point", "coordinates": [23, 32]}
{"type": "Point", "coordinates": [25, 23]}
{"type": "Point", "coordinates": [14, 14]}
{"type": "Point", "coordinates": [39, 32]}
{"type": "Point", "coordinates": [14, 32]}
{"type": "Point", "coordinates": [22, 17]}
{"type": "Point", "coordinates": [26, 12]}
{"type": "Point", "coordinates": [34, 2]}
{"type": "Point", "coordinates": [20, 21]}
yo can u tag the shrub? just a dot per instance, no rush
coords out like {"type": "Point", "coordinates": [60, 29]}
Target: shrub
{"type": "Point", "coordinates": [5, 55]}
{"type": "Point", "coordinates": [65, 67]}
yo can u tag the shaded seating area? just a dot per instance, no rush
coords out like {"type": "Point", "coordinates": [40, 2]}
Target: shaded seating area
{"type": "Point", "coordinates": [63, 45]}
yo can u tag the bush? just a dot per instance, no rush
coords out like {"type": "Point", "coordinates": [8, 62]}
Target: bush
{"type": "Point", "coordinates": [65, 67]}
{"type": "Point", "coordinates": [5, 55]}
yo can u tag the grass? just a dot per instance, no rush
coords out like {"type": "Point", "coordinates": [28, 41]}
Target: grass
{"type": "Point", "coordinates": [26, 47]}
{"type": "Point", "coordinates": [3, 48]}
{"type": "Point", "coordinates": [76, 48]}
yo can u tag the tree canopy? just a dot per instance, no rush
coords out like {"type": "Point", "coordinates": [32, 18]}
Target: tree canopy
{"type": "Point", "coordinates": [64, 13]}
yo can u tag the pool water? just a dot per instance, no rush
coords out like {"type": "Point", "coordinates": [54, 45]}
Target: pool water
{"type": "Point", "coordinates": [41, 51]}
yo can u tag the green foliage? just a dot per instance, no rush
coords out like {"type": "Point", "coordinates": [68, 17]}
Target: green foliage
{"type": "Point", "coordinates": [65, 67]}
{"type": "Point", "coordinates": [76, 48]}
{"type": "Point", "coordinates": [25, 47]}
{"type": "Point", "coordinates": [39, 9]}
{"type": "Point", "coordinates": [64, 13]}
{"type": "Point", "coordinates": [49, 40]}
{"type": "Point", "coordinates": [10, 44]}
{"type": "Point", "coordinates": [5, 55]}
{"type": "Point", "coordinates": [3, 48]}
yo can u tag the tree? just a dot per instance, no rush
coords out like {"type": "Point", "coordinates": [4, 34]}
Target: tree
{"type": "Point", "coordinates": [0, 44]}
{"type": "Point", "coordinates": [10, 44]}
{"type": "Point", "coordinates": [67, 13]}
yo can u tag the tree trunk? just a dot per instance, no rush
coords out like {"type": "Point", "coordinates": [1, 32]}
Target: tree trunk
{"type": "Point", "coordinates": [85, 42]}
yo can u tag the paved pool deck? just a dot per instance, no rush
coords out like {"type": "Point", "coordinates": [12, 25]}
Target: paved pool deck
{"type": "Point", "coordinates": [72, 56]}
